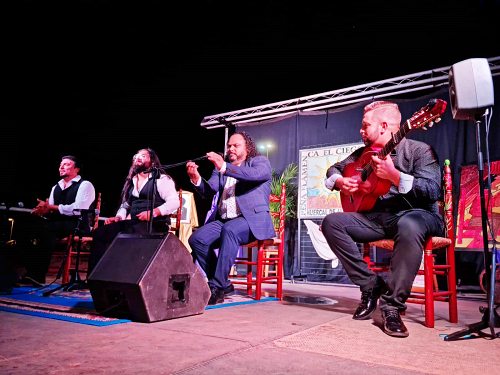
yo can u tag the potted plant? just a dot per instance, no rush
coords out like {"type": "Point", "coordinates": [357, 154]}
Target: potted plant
{"type": "Point", "coordinates": [287, 177]}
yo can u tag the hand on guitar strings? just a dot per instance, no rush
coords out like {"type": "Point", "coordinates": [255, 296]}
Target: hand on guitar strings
{"type": "Point", "coordinates": [348, 185]}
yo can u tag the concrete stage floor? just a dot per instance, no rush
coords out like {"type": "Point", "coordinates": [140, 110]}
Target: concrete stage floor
{"type": "Point", "coordinates": [293, 336]}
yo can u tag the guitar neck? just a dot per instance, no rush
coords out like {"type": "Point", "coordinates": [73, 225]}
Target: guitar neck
{"type": "Point", "coordinates": [396, 138]}
{"type": "Point", "coordinates": [427, 115]}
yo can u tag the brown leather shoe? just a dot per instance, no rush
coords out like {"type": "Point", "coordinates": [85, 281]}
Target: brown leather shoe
{"type": "Point", "coordinates": [393, 325]}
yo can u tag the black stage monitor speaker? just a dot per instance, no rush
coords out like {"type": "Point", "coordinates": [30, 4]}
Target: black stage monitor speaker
{"type": "Point", "coordinates": [471, 89]}
{"type": "Point", "coordinates": [148, 278]}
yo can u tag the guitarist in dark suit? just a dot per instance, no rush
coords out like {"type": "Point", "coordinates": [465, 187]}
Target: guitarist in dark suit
{"type": "Point", "coordinates": [406, 211]}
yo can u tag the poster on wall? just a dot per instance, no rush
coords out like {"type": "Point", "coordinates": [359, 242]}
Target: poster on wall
{"type": "Point", "coordinates": [315, 200]}
{"type": "Point", "coordinates": [469, 217]}
{"type": "Point", "coordinates": [317, 260]}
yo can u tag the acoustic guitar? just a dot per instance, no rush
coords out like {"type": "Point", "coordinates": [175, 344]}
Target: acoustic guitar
{"type": "Point", "coordinates": [374, 187]}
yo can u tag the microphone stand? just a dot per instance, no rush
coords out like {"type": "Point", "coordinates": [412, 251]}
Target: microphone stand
{"type": "Point", "coordinates": [155, 174]}
{"type": "Point", "coordinates": [490, 317]}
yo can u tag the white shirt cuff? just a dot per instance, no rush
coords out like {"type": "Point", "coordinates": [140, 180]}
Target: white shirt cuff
{"type": "Point", "coordinates": [222, 169]}
{"type": "Point", "coordinates": [330, 181]}
{"type": "Point", "coordinates": [405, 183]}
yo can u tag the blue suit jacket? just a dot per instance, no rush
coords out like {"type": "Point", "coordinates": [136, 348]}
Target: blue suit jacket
{"type": "Point", "coordinates": [253, 189]}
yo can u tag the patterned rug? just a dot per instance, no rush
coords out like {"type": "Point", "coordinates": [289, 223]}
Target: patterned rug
{"type": "Point", "coordinates": [77, 306]}
{"type": "Point", "coordinates": [74, 306]}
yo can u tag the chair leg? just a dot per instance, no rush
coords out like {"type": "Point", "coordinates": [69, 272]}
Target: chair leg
{"type": "Point", "coordinates": [67, 264]}
{"type": "Point", "coordinates": [267, 265]}
{"type": "Point", "coordinates": [249, 271]}
{"type": "Point", "coordinates": [279, 273]}
{"type": "Point", "coordinates": [429, 284]}
{"type": "Point", "coordinates": [366, 255]}
{"type": "Point", "coordinates": [259, 272]}
{"type": "Point", "coordinates": [270, 269]}
{"type": "Point", "coordinates": [452, 285]}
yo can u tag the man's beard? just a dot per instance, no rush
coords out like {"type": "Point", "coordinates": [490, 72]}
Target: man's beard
{"type": "Point", "coordinates": [139, 168]}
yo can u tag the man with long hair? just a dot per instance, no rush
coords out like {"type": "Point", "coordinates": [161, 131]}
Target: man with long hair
{"type": "Point", "coordinates": [243, 181]}
{"type": "Point", "coordinates": [147, 189]}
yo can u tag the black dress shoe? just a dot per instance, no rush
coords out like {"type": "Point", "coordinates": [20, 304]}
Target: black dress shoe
{"type": "Point", "coordinates": [369, 300]}
{"type": "Point", "coordinates": [217, 296]}
{"type": "Point", "coordinates": [393, 325]}
{"type": "Point", "coordinates": [229, 290]}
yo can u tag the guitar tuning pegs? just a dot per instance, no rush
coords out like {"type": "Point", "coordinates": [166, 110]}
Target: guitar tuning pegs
{"type": "Point", "coordinates": [431, 124]}
{"type": "Point", "coordinates": [423, 127]}
{"type": "Point", "coordinates": [437, 119]}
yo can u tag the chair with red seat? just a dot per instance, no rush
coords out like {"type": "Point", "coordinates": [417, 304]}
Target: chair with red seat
{"type": "Point", "coordinates": [431, 269]}
{"type": "Point", "coordinates": [270, 253]}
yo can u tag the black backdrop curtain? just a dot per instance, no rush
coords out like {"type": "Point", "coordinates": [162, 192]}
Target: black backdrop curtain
{"type": "Point", "coordinates": [452, 139]}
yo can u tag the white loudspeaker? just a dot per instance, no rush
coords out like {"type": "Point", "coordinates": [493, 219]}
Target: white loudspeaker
{"type": "Point", "coordinates": [471, 88]}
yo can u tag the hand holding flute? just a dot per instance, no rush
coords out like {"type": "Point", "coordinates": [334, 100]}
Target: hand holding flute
{"type": "Point", "coordinates": [192, 168]}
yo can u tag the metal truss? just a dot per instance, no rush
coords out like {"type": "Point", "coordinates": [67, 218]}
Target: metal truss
{"type": "Point", "coordinates": [425, 80]}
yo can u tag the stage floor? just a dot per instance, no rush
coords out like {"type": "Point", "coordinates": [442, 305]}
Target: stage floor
{"type": "Point", "coordinates": [310, 332]}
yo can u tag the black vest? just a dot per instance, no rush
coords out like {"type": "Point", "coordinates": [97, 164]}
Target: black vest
{"type": "Point", "coordinates": [68, 223]}
{"type": "Point", "coordinates": [143, 202]}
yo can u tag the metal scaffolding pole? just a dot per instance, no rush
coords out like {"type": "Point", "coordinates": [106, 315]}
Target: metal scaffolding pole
{"type": "Point", "coordinates": [390, 87]}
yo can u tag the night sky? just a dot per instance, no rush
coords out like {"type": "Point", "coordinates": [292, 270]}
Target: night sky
{"type": "Point", "coordinates": [101, 79]}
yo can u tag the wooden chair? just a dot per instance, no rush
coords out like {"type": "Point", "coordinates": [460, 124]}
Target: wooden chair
{"type": "Point", "coordinates": [175, 218]}
{"type": "Point", "coordinates": [430, 269]}
{"type": "Point", "coordinates": [72, 243]}
{"type": "Point", "coordinates": [270, 253]}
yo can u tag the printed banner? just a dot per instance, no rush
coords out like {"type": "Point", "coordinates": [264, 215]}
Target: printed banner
{"type": "Point", "coordinates": [315, 200]}
{"type": "Point", "coordinates": [469, 219]}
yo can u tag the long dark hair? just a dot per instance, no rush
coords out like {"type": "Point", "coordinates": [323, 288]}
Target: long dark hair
{"type": "Point", "coordinates": [155, 164]}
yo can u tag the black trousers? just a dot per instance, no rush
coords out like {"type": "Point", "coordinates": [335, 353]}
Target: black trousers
{"type": "Point", "coordinates": [38, 254]}
{"type": "Point", "coordinates": [409, 229]}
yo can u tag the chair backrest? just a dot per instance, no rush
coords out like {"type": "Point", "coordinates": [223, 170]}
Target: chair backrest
{"type": "Point", "coordinates": [448, 202]}
{"type": "Point", "coordinates": [177, 216]}
{"type": "Point", "coordinates": [92, 217]}
{"type": "Point", "coordinates": [278, 212]}
{"type": "Point", "coordinates": [97, 213]}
